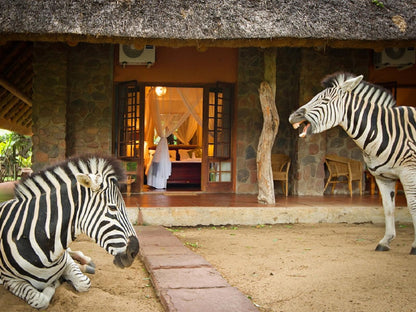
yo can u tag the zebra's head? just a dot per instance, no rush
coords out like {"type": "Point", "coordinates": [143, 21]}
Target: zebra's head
{"type": "Point", "coordinates": [326, 109]}
{"type": "Point", "coordinates": [102, 214]}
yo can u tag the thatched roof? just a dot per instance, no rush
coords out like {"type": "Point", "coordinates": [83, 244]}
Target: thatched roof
{"type": "Point", "coordinates": [175, 23]}
{"type": "Point", "coordinates": [237, 23]}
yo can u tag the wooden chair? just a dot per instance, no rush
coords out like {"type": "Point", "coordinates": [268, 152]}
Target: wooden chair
{"type": "Point", "coordinates": [280, 168]}
{"type": "Point", "coordinates": [338, 167]}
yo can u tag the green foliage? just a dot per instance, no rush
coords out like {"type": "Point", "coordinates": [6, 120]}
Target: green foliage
{"type": "Point", "coordinates": [378, 3]}
{"type": "Point", "coordinates": [15, 153]}
{"type": "Point", "coordinates": [193, 245]}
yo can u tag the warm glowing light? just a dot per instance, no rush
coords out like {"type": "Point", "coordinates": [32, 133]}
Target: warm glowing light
{"type": "Point", "coordinates": [129, 152]}
{"type": "Point", "coordinates": [160, 91]}
{"type": "Point", "coordinates": [211, 150]}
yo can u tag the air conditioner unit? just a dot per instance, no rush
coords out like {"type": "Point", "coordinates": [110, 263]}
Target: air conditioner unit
{"type": "Point", "coordinates": [394, 57]}
{"type": "Point", "coordinates": [128, 55]}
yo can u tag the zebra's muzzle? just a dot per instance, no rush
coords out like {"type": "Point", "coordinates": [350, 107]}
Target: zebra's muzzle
{"type": "Point", "coordinates": [305, 128]}
{"type": "Point", "coordinates": [297, 119]}
{"type": "Point", "coordinates": [125, 259]}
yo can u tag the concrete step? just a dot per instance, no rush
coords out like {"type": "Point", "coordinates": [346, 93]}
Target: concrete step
{"type": "Point", "coordinates": [194, 216]}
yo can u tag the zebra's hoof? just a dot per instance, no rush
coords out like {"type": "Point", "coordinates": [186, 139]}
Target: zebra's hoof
{"type": "Point", "coordinates": [382, 248]}
{"type": "Point", "coordinates": [91, 264]}
{"type": "Point", "coordinates": [90, 269]}
{"type": "Point", "coordinates": [413, 251]}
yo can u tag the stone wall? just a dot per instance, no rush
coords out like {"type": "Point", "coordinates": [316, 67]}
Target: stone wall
{"type": "Point", "coordinates": [298, 75]}
{"type": "Point", "coordinates": [49, 103]}
{"type": "Point", "coordinates": [316, 64]}
{"type": "Point", "coordinates": [90, 100]}
{"type": "Point", "coordinates": [72, 101]}
{"type": "Point", "coordinates": [287, 98]}
{"type": "Point", "coordinates": [249, 117]}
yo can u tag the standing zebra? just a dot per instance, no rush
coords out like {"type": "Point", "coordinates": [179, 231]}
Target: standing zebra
{"type": "Point", "coordinates": [49, 210]}
{"type": "Point", "coordinates": [385, 133]}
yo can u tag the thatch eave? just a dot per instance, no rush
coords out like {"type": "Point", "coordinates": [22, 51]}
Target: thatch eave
{"type": "Point", "coordinates": [237, 23]}
{"type": "Point", "coordinates": [72, 39]}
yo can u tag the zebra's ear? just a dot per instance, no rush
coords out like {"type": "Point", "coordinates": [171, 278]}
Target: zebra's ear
{"type": "Point", "coordinates": [351, 83]}
{"type": "Point", "coordinates": [92, 181]}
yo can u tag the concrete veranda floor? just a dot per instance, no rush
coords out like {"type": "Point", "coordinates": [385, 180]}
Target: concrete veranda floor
{"type": "Point", "coordinates": [187, 208]}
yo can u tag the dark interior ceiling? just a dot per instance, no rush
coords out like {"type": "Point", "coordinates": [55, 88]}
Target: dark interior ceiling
{"type": "Point", "coordinates": [16, 76]}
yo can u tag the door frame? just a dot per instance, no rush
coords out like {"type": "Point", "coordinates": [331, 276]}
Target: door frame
{"type": "Point", "coordinates": [206, 186]}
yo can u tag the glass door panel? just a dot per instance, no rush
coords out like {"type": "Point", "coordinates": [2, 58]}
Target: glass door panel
{"type": "Point", "coordinates": [217, 134]}
{"type": "Point", "coordinates": [128, 131]}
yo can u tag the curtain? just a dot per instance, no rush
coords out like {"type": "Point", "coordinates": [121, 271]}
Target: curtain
{"type": "Point", "coordinates": [192, 99]}
{"type": "Point", "coordinates": [168, 112]}
{"type": "Point", "coordinates": [187, 130]}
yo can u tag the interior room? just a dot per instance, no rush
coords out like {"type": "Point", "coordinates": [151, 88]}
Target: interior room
{"type": "Point", "coordinates": [173, 137]}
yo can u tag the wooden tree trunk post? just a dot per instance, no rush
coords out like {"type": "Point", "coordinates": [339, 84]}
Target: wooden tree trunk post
{"type": "Point", "coordinates": [264, 150]}
{"type": "Point", "coordinates": [267, 93]}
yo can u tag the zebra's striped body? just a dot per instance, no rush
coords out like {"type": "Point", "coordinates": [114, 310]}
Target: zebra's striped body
{"type": "Point", "coordinates": [49, 210]}
{"type": "Point", "coordinates": [385, 133]}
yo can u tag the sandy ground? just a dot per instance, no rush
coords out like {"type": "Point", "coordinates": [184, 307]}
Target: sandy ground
{"type": "Point", "coordinates": [320, 267]}
{"type": "Point", "coordinates": [112, 289]}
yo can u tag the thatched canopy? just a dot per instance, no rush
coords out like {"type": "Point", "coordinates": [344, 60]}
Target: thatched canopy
{"type": "Point", "coordinates": [338, 23]}
{"type": "Point", "coordinates": [374, 24]}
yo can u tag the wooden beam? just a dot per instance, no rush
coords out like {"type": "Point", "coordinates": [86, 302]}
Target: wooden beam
{"type": "Point", "coordinates": [25, 129]}
{"type": "Point", "coordinates": [21, 113]}
{"type": "Point", "coordinates": [15, 91]}
{"type": "Point", "coordinates": [9, 103]}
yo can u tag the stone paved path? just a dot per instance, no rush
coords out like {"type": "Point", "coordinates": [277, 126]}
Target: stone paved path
{"type": "Point", "coordinates": [183, 280]}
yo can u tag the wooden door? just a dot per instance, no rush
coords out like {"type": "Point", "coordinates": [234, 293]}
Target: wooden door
{"type": "Point", "coordinates": [129, 130]}
{"type": "Point", "coordinates": [217, 170]}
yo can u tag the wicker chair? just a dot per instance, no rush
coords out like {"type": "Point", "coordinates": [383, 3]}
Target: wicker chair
{"type": "Point", "coordinates": [338, 167]}
{"type": "Point", "coordinates": [280, 168]}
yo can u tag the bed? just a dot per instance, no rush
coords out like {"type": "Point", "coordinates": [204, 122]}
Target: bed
{"type": "Point", "coordinates": [186, 164]}
{"type": "Point", "coordinates": [185, 172]}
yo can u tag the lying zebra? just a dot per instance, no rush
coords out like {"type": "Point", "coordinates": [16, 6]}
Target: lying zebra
{"type": "Point", "coordinates": [49, 210]}
{"type": "Point", "coordinates": [385, 133]}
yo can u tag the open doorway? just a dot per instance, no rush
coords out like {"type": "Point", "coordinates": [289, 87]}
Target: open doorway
{"type": "Point", "coordinates": [173, 124]}
{"type": "Point", "coordinates": [175, 138]}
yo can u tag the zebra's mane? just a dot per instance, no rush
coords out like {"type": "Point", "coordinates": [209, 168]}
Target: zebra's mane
{"type": "Point", "coordinates": [338, 78]}
{"type": "Point", "coordinates": [86, 164]}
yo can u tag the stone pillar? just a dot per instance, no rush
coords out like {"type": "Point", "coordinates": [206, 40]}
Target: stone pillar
{"type": "Point", "coordinates": [249, 117]}
{"type": "Point", "coordinates": [90, 100]}
{"type": "Point", "coordinates": [49, 103]}
{"type": "Point", "coordinates": [316, 64]}
{"type": "Point", "coordinates": [288, 64]}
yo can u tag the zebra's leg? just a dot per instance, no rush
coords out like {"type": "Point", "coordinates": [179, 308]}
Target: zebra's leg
{"type": "Point", "coordinates": [85, 263]}
{"type": "Point", "coordinates": [411, 203]}
{"type": "Point", "coordinates": [386, 188]}
{"type": "Point", "coordinates": [35, 298]}
{"type": "Point", "coordinates": [74, 276]}
{"type": "Point", "coordinates": [409, 187]}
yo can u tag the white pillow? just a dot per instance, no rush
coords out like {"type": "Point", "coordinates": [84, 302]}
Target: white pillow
{"type": "Point", "coordinates": [172, 155]}
{"type": "Point", "coordinates": [183, 154]}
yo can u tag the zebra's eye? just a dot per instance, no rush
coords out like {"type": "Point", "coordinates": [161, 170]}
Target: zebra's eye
{"type": "Point", "coordinates": [112, 207]}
